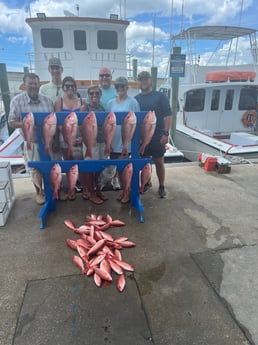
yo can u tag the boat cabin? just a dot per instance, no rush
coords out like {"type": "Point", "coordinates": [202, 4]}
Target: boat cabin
{"type": "Point", "coordinates": [83, 44]}
{"type": "Point", "coordinates": [226, 103]}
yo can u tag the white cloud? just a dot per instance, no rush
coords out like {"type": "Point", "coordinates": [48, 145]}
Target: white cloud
{"type": "Point", "coordinates": [142, 15]}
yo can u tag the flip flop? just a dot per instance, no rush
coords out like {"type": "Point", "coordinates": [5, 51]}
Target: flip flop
{"type": "Point", "coordinates": [72, 197]}
{"type": "Point", "coordinates": [96, 200]}
{"type": "Point", "coordinates": [85, 196]}
{"type": "Point", "coordinates": [101, 196]}
{"type": "Point", "coordinates": [120, 197]}
{"type": "Point", "coordinates": [125, 200]}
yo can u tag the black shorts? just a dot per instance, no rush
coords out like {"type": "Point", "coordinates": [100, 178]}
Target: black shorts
{"type": "Point", "coordinates": [155, 149]}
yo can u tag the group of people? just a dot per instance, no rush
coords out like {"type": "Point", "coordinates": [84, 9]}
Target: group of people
{"type": "Point", "coordinates": [61, 95]}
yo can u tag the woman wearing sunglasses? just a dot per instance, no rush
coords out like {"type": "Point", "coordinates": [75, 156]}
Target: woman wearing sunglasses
{"type": "Point", "coordinates": [70, 101]}
{"type": "Point", "coordinates": [122, 102]}
{"type": "Point", "coordinates": [89, 180]}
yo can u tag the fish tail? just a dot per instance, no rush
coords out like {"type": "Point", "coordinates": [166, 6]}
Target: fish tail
{"type": "Point", "coordinates": [88, 154]}
{"type": "Point", "coordinates": [47, 151]}
{"type": "Point", "coordinates": [55, 195]}
{"type": "Point", "coordinates": [70, 153]}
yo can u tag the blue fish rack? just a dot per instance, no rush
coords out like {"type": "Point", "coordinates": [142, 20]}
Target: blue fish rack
{"type": "Point", "coordinates": [45, 164]}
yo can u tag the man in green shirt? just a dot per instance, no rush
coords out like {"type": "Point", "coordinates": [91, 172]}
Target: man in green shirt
{"type": "Point", "coordinates": [53, 89]}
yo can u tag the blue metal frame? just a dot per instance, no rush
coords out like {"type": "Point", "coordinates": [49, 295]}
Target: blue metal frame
{"type": "Point", "coordinates": [45, 164]}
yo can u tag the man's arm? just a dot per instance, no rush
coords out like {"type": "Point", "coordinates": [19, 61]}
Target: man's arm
{"type": "Point", "coordinates": [14, 118]}
{"type": "Point", "coordinates": [15, 124]}
{"type": "Point", "coordinates": [167, 123]}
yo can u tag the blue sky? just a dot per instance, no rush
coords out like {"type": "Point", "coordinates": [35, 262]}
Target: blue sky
{"type": "Point", "coordinates": [16, 40]}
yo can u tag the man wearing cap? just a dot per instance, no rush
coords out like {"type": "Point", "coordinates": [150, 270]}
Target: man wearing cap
{"type": "Point", "coordinates": [53, 89]}
{"type": "Point", "coordinates": [158, 102]}
{"type": "Point", "coordinates": [108, 90]}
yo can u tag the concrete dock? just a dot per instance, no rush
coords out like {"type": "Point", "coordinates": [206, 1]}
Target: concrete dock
{"type": "Point", "coordinates": [196, 272]}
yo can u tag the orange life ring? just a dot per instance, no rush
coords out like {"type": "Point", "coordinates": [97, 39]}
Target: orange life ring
{"type": "Point", "coordinates": [249, 118]}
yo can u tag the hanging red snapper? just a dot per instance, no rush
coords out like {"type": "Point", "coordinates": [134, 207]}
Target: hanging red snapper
{"type": "Point", "coordinates": [145, 176]}
{"type": "Point", "coordinates": [69, 129]}
{"type": "Point", "coordinates": [108, 128]}
{"type": "Point", "coordinates": [128, 128]}
{"type": "Point", "coordinates": [28, 124]}
{"type": "Point", "coordinates": [89, 132]}
{"type": "Point", "coordinates": [72, 177]}
{"type": "Point", "coordinates": [48, 131]}
{"type": "Point", "coordinates": [127, 178]}
{"type": "Point", "coordinates": [55, 179]}
{"type": "Point", "coordinates": [147, 130]}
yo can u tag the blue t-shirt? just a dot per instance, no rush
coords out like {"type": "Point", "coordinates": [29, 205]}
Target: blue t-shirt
{"type": "Point", "coordinates": [107, 95]}
{"type": "Point", "coordinates": [158, 102]}
{"type": "Point", "coordinates": [129, 104]}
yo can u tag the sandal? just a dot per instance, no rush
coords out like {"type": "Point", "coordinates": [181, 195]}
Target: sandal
{"type": "Point", "coordinates": [125, 199]}
{"type": "Point", "coordinates": [120, 197]}
{"type": "Point", "coordinates": [71, 197]}
{"type": "Point", "coordinates": [95, 199]}
{"type": "Point", "coordinates": [101, 196]}
{"type": "Point", "coordinates": [86, 196]}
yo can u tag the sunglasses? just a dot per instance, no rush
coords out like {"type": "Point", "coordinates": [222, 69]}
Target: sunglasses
{"type": "Point", "coordinates": [120, 87]}
{"type": "Point", "coordinates": [106, 75]}
{"type": "Point", "coordinates": [69, 86]}
{"type": "Point", "coordinates": [96, 93]}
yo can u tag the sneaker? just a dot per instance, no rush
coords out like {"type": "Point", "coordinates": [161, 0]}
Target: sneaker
{"type": "Point", "coordinates": [40, 199]}
{"type": "Point", "coordinates": [116, 184]}
{"type": "Point", "coordinates": [147, 187]}
{"type": "Point", "coordinates": [78, 187]}
{"type": "Point", "coordinates": [162, 192]}
{"type": "Point", "coordinates": [62, 196]}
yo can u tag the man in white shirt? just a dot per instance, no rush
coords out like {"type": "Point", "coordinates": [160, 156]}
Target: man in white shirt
{"type": "Point", "coordinates": [53, 89]}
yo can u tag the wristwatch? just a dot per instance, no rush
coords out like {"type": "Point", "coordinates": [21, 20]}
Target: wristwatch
{"type": "Point", "coordinates": [166, 133]}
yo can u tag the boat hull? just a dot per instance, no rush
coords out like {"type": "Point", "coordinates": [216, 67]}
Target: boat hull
{"type": "Point", "coordinates": [193, 143]}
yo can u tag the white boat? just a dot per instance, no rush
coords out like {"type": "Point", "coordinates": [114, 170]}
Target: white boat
{"type": "Point", "coordinates": [11, 150]}
{"type": "Point", "coordinates": [84, 45]}
{"type": "Point", "coordinates": [218, 104]}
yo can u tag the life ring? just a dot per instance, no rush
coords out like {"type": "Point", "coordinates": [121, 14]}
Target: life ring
{"type": "Point", "coordinates": [249, 118]}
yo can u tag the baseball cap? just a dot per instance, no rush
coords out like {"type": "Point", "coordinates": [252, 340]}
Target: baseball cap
{"type": "Point", "coordinates": [54, 61]}
{"type": "Point", "coordinates": [121, 81]}
{"type": "Point", "coordinates": [143, 75]}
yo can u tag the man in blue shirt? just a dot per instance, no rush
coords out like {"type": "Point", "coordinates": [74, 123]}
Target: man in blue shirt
{"type": "Point", "coordinates": [158, 102]}
{"type": "Point", "coordinates": [108, 90]}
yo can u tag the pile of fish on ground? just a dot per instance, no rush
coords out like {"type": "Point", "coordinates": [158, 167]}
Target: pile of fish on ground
{"type": "Point", "coordinates": [99, 252]}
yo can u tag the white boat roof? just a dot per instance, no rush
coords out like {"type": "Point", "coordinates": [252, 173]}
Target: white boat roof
{"type": "Point", "coordinates": [214, 32]}
{"type": "Point", "coordinates": [77, 19]}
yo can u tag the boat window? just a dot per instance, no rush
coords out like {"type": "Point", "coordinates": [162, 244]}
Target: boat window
{"type": "Point", "coordinates": [51, 38]}
{"type": "Point", "coordinates": [215, 99]}
{"type": "Point", "coordinates": [247, 100]}
{"type": "Point", "coordinates": [166, 91]}
{"type": "Point", "coordinates": [79, 40]}
{"type": "Point", "coordinates": [229, 99]}
{"type": "Point", "coordinates": [107, 39]}
{"type": "Point", "coordinates": [195, 100]}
